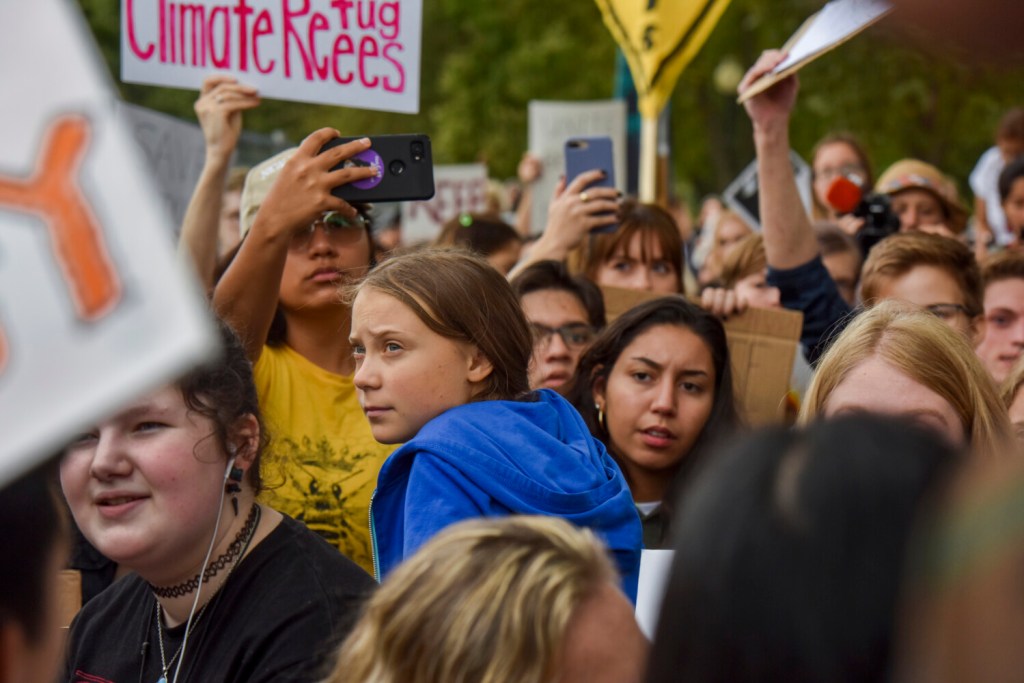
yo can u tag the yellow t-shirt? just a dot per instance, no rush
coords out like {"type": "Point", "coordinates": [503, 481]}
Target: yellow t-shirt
{"type": "Point", "coordinates": [322, 463]}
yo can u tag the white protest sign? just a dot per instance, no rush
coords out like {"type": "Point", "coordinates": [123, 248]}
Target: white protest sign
{"type": "Point", "coordinates": [354, 53]}
{"type": "Point", "coordinates": [743, 194]}
{"type": "Point", "coordinates": [95, 308]}
{"type": "Point", "coordinates": [655, 570]}
{"type": "Point", "coordinates": [552, 123]}
{"type": "Point", "coordinates": [459, 188]}
{"type": "Point", "coordinates": [175, 151]}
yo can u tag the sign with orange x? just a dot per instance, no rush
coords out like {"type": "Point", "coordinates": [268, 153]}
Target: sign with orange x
{"type": "Point", "coordinates": [659, 38]}
{"type": "Point", "coordinates": [95, 307]}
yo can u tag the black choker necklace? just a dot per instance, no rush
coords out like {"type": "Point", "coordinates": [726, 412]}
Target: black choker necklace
{"type": "Point", "coordinates": [236, 548]}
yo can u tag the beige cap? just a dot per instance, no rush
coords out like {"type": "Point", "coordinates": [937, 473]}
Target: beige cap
{"type": "Point", "coordinates": [257, 184]}
{"type": "Point", "coordinates": [912, 174]}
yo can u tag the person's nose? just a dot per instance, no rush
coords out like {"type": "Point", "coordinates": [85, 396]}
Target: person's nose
{"type": "Point", "coordinates": [110, 458]}
{"type": "Point", "coordinates": [320, 242]}
{"type": "Point", "coordinates": [556, 348]}
{"type": "Point", "coordinates": [642, 280]}
{"type": "Point", "coordinates": [366, 376]}
{"type": "Point", "coordinates": [909, 219]}
{"type": "Point", "coordinates": [665, 398]}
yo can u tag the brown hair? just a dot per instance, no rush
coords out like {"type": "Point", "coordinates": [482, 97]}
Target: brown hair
{"type": "Point", "coordinates": [746, 258]}
{"type": "Point", "coordinates": [920, 346]}
{"type": "Point", "coordinates": [1011, 125]}
{"type": "Point", "coordinates": [652, 221]}
{"type": "Point", "coordinates": [459, 296]}
{"type": "Point", "coordinates": [895, 256]}
{"type": "Point", "coordinates": [1005, 265]}
{"type": "Point", "coordinates": [480, 233]}
{"type": "Point", "coordinates": [841, 138]}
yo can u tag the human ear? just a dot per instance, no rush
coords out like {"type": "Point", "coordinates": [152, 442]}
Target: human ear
{"type": "Point", "coordinates": [480, 366]}
{"type": "Point", "coordinates": [244, 441]}
{"type": "Point", "coordinates": [598, 384]}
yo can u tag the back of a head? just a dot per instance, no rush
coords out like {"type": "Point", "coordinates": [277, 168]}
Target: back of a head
{"type": "Point", "coordinates": [895, 256]}
{"type": "Point", "coordinates": [479, 233]}
{"type": "Point", "coordinates": [789, 553]}
{"type": "Point", "coordinates": [484, 601]}
{"type": "Point", "coordinates": [746, 258]}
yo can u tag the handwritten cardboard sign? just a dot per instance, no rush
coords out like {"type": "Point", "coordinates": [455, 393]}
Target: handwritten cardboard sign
{"type": "Point", "coordinates": [762, 347]}
{"type": "Point", "coordinates": [458, 188]}
{"type": "Point", "coordinates": [94, 306]}
{"type": "Point", "coordinates": [355, 53]}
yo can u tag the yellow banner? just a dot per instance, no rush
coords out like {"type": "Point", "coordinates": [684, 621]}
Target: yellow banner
{"type": "Point", "coordinates": [659, 38]}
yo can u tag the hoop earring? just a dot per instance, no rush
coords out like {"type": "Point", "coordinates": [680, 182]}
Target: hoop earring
{"type": "Point", "coordinates": [600, 416]}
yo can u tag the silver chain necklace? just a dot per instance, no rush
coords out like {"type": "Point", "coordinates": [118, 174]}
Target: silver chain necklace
{"type": "Point", "coordinates": [252, 523]}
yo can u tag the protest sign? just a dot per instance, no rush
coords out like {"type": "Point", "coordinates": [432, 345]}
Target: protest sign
{"type": "Point", "coordinates": [458, 188]}
{"type": "Point", "coordinates": [655, 571]}
{"type": "Point", "coordinates": [94, 306]}
{"type": "Point", "coordinates": [552, 123]}
{"type": "Point", "coordinates": [355, 53]}
{"type": "Point", "coordinates": [762, 347]}
{"type": "Point", "coordinates": [743, 193]}
{"type": "Point", "coordinates": [175, 151]}
{"type": "Point", "coordinates": [658, 40]}
{"type": "Point", "coordinates": [836, 23]}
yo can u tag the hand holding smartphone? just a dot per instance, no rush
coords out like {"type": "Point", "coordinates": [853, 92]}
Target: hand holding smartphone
{"type": "Point", "coordinates": [405, 169]}
{"type": "Point", "coordinates": [584, 154]}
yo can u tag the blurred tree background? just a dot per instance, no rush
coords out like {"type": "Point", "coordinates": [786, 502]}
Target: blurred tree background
{"type": "Point", "coordinates": [482, 62]}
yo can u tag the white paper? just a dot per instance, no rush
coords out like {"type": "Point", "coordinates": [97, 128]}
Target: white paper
{"type": "Point", "coordinates": [76, 347]}
{"type": "Point", "coordinates": [552, 123]}
{"type": "Point", "coordinates": [655, 570]}
{"type": "Point", "coordinates": [355, 53]}
{"type": "Point", "coordinates": [836, 20]}
{"type": "Point", "coordinates": [458, 188]}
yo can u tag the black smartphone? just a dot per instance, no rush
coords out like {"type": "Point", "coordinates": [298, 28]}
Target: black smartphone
{"type": "Point", "coordinates": [405, 169]}
{"type": "Point", "coordinates": [588, 154]}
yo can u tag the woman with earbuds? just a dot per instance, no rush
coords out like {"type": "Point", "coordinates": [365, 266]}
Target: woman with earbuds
{"type": "Point", "coordinates": [222, 588]}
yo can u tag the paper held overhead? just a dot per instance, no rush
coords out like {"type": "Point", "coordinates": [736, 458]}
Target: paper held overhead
{"type": "Point", "coordinates": [836, 23]}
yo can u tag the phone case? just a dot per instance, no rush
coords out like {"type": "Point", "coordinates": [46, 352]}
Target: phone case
{"type": "Point", "coordinates": [406, 169]}
{"type": "Point", "coordinates": [586, 154]}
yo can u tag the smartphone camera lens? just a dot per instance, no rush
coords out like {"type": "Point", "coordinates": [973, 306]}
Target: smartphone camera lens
{"type": "Point", "coordinates": [397, 167]}
{"type": "Point", "coordinates": [416, 148]}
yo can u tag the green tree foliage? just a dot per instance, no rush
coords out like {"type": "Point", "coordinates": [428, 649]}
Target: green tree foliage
{"type": "Point", "coordinates": [482, 62]}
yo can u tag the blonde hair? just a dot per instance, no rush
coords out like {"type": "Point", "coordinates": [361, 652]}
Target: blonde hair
{"type": "Point", "coordinates": [1011, 385]}
{"type": "Point", "coordinates": [920, 346]}
{"type": "Point", "coordinates": [746, 258]}
{"type": "Point", "coordinates": [485, 601]}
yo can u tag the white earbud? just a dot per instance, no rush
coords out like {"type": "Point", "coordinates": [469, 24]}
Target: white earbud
{"type": "Point", "coordinates": [231, 463]}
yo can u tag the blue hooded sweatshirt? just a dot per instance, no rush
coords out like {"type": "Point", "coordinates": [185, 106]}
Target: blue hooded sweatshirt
{"type": "Point", "coordinates": [497, 458]}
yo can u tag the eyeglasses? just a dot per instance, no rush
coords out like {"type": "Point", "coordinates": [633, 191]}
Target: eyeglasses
{"type": "Point", "coordinates": [575, 335]}
{"type": "Point", "coordinates": [947, 311]}
{"type": "Point", "coordinates": [846, 170]}
{"type": "Point", "coordinates": [333, 222]}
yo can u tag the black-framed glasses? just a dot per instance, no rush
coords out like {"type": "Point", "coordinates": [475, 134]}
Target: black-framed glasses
{"type": "Point", "coordinates": [575, 335]}
{"type": "Point", "coordinates": [947, 311]}
{"type": "Point", "coordinates": [333, 222]}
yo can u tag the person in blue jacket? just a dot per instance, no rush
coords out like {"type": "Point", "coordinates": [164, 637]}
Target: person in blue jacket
{"type": "Point", "coordinates": [442, 350]}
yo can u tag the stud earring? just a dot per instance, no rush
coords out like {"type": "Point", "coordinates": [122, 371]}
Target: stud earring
{"type": "Point", "coordinates": [600, 416]}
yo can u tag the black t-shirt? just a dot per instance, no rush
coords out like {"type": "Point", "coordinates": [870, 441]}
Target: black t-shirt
{"type": "Point", "coordinates": [279, 617]}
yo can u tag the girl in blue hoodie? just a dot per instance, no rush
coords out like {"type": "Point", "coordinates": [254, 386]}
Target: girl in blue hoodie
{"type": "Point", "coordinates": [441, 350]}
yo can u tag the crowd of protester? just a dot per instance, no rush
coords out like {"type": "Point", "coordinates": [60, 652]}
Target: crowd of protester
{"type": "Point", "coordinates": [442, 462]}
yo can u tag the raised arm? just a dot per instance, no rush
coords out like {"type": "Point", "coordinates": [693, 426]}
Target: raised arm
{"type": "Point", "coordinates": [219, 110]}
{"type": "Point", "coordinates": [247, 294]}
{"type": "Point", "coordinates": [789, 239]}
{"type": "Point", "coordinates": [574, 211]}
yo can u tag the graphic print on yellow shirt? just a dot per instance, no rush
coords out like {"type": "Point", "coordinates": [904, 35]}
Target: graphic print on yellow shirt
{"type": "Point", "coordinates": [322, 462]}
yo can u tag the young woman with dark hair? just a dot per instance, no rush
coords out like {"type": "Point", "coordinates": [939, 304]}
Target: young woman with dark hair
{"type": "Point", "coordinates": [656, 388]}
{"type": "Point", "coordinates": [222, 588]}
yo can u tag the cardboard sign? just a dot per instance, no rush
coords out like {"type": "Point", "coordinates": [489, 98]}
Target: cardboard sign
{"type": "Point", "coordinates": [659, 39]}
{"type": "Point", "coordinates": [458, 188]}
{"type": "Point", "coordinates": [94, 306]}
{"type": "Point", "coordinates": [355, 53]}
{"type": "Point", "coordinates": [762, 346]}
{"type": "Point", "coordinates": [823, 32]}
{"type": "Point", "coordinates": [551, 124]}
{"type": "Point", "coordinates": [175, 150]}
{"type": "Point", "coordinates": [743, 194]}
